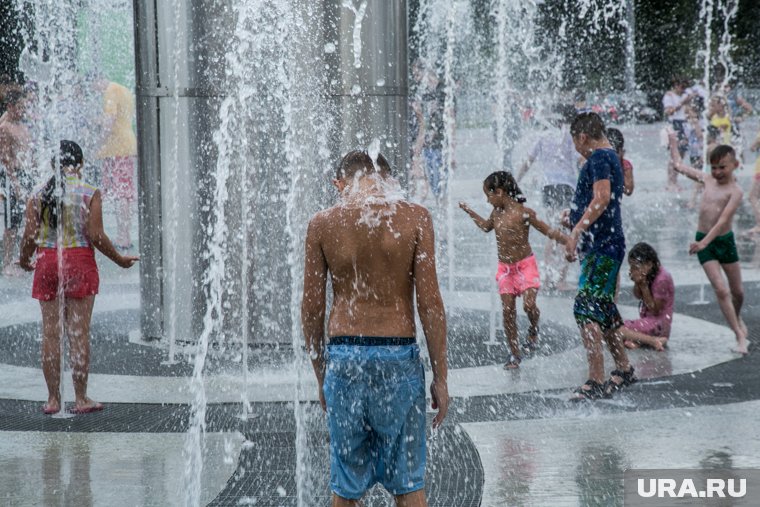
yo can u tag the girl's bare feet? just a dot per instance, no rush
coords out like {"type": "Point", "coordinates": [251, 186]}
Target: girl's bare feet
{"type": "Point", "coordinates": [87, 406]}
{"type": "Point", "coordinates": [629, 344]}
{"type": "Point", "coordinates": [53, 406]}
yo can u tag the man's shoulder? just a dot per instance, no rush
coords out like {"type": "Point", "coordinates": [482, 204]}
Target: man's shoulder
{"type": "Point", "coordinates": [321, 217]}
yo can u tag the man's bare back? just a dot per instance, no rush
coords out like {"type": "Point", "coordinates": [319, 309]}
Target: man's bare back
{"type": "Point", "coordinates": [370, 251]}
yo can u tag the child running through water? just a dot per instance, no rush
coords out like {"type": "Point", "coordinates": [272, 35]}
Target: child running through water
{"type": "Point", "coordinates": [715, 245]}
{"type": "Point", "coordinates": [517, 274]}
{"type": "Point", "coordinates": [653, 287]}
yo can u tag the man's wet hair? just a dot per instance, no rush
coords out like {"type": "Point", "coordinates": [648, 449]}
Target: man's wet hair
{"type": "Point", "coordinates": [616, 139]}
{"type": "Point", "coordinates": [721, 151]}
{"type": "Point", "coordinates": [590, 124]}
{"type": "Point", "coordinates": [505, 181]}
{"type": "Point", "coordinates": [357, 160]}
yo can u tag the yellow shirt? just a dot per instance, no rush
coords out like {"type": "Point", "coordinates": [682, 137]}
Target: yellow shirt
{"type": "Point", "coordinates": [722, 123]}
{"type": "Point", "coordinates": [119, 108]}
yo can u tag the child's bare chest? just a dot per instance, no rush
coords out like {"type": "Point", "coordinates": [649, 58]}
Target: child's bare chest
{"type": "Point", "coordinates": [510, 222]}
{"type": "Point", "coordinates": [716, 197]}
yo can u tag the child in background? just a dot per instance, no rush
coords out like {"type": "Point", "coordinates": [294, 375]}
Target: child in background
{"type": "Point", "coordinates": [754, 191]}
{"type": "Point", "coordinates": [715, 245]}
{"type": "Point", "coordinates": [617, 141]}
{"type": "Point", "coordinates": [720, 119]}
{"type": "Point", "coordinates": [555, 156]}
{"type": "Point", "coordinates": [517, 274]}
{"type": "Point", "coordinates": [694, 135]}
{"type": "Point", "coordinates": [654, 288]}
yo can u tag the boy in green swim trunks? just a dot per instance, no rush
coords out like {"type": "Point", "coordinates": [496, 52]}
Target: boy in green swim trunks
{"type": "Point", "coordinates": [714, 245]}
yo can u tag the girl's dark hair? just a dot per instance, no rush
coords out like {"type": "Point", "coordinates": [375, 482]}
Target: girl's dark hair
{"type": "Point", "coordinates": [505, 181]}
{"type": "Point", "coordinates": [69, 155]}
{"type": "Point", "coordinates": [616, 139]}
{"type": "Point", "coordinates": [643, 252]}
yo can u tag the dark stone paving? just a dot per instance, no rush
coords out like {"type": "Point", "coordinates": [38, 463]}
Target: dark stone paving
{"type": "Point", "coordinates": [265, 474]}
{"type": "Point", "coordinates": [456, 476]}
{"type": "Point", "coordinates": [113, 353]}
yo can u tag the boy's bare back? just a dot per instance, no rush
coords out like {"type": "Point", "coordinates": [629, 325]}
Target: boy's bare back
{"type": "Point", "coordinates": [375, 254]}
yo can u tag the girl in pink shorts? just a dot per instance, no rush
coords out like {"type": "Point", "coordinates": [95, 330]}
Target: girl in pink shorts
{"type": "Point", "coordinates": [64, 224]}
{"type": "Point", "coordinates": [654, 288]}
{"type": "Point", "coordinates": [517, 274]}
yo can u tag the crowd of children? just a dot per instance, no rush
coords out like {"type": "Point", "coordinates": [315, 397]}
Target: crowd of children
{"type": "Point", "coordinates": [594, 234]}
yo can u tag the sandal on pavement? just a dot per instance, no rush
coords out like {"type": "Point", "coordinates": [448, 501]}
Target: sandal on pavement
{"type": "Point", "coordinates": [594, 391]}
{"type": "Point", "coordinates": [626, 378]}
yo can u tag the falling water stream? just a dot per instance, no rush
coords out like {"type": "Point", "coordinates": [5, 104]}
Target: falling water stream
{"type": "Point", "coordinates": [275, 149]}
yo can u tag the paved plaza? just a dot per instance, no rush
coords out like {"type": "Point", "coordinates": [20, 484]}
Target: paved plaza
{"type": "Point", "coordinates": [511, 437]}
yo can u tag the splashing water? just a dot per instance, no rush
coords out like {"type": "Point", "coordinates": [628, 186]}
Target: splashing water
{"type": "Point", "coordinates": [357, 30]}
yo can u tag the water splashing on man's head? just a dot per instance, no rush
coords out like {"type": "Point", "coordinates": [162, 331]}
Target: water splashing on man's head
{"type": "Point", "coordinates": [362, 175]}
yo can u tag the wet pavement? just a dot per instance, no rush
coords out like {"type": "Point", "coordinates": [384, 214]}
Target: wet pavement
{"type": "Point", "coordinates": [512, 438]}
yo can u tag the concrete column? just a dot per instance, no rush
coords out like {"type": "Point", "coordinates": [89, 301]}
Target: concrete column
{"type": "Point", "coordinates": [370, 83]}
{"type": "Point", "coordinates": [180, 65]}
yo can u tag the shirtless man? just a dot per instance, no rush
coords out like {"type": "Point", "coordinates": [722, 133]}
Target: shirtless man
{"type": "Point", "coordinates": [379, 251]}
{"type": "Point", "coordinates": [715, 246]}
{"type": "Point", "coordinates": [14, 143]}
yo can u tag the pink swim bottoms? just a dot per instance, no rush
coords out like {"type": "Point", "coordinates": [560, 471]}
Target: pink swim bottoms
{"type": "Point", "coordinates": [514, 279]}
{"type": "Point", "coordinates": [651, 326]}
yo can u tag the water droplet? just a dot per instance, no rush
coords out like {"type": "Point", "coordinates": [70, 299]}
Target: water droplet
{"type": "Point", "coordinates": [329, 48]}
{"type": "Point", "coordinates": [356, 90]}
{"type": "Point", "coordinates": [380, 82]}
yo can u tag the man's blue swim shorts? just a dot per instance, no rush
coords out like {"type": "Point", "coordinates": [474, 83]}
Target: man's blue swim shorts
{"type": "Point", "coordinates": [375, 398]}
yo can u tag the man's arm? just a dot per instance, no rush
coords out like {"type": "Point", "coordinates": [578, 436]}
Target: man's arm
{"type": "Point", "coordinates": [725, 218]}
{"type": "Point", "coordinates": [599, 203]}
{"type": "Point", "coordinates": [432, 315]}
{"type": "Point", "coordinates": [678, 165]}
{"type": "Point", "coordinates": [486, 225]}
{"type": "Point", "coordinates": [525, 166]}
{"type": "Point", "coordinates": [545, 228]}
{"type": "Point", "coordinates": [313, 304]}
{"type": "Point", "coordinates": [28, 240]}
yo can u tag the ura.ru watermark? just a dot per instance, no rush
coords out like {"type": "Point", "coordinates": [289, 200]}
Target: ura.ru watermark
{"type": "Point", "coordinates": [701, 487]}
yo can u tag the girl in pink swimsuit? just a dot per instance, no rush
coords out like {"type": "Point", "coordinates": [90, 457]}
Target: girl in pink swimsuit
{"type": "Point", "coordinates": [654, 288]}
{"type": "Point", "coordinates": [517, 274]}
